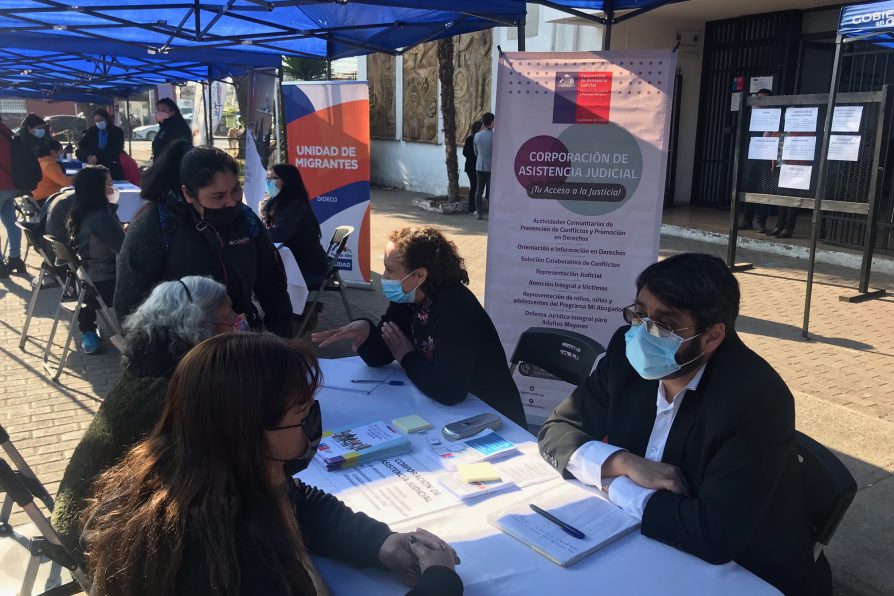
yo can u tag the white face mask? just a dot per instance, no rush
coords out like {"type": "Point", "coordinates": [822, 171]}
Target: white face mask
{"type": "Point", "coordinates": [116, 194]}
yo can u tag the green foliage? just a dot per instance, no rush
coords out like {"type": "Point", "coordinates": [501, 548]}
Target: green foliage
{"type": "Point", "coordinates": [303, 69]}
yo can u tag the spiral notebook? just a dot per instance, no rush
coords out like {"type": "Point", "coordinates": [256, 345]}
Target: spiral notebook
{"type": "Point", "coordinates": [600, 521]}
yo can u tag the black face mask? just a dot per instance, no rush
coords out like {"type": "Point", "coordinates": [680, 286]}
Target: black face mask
{"type": "Point", "coordinates": [313, 431]}
{"type": "Point", "coordinates": [221, 217]}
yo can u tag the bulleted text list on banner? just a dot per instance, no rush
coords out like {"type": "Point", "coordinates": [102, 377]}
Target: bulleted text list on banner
{"type": "Point", "coordinates": [578, 175]}
{"type": "Point", "coordinates": [327, 131]}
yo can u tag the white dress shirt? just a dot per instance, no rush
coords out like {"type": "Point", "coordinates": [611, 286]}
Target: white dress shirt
{"type": "Point", "coordinates": [586, 463]}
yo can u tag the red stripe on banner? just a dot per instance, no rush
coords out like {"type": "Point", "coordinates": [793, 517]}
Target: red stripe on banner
{"type": "Point", "coordinates": [331, 146]}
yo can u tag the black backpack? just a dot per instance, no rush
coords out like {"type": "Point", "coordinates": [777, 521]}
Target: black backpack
{"type": "Point", "coordinates": [25, 167]}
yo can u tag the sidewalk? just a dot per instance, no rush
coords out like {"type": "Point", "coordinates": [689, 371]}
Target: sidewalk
{"type": "Point", "coordinates": [843, 378]}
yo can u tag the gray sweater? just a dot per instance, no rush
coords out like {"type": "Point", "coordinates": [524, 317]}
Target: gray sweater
{"type": "Point", "coordinates": [99, 241]}
{"type": "Point", "coordinates": [484, 149]}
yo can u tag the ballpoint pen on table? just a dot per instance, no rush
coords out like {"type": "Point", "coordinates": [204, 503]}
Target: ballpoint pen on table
{"type": "Point", "coordinates": [570, 530]}
{"type": "Point", "coordinates": [377, 381]}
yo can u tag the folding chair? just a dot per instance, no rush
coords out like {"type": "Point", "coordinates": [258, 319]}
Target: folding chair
{"type": "Point", "coordinates": [332, 281]}
{"type": "Point", "coordinates": [82, 283]}
{"type": "Point", "coordinates": [47, 268]}
{"type": "Point", "coordinates": [27, 211]}
{"type": "Point", "coordinates": [829, 489]}
{"type": "Point", "coordinates": [566, 355]}
{"type": "Point", "coordinates": [45, 545]}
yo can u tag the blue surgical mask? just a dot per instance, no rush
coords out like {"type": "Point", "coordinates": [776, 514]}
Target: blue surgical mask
{"type": "Point", "coordinates": [272, 189]}
{"type": "Point", "coordinates": [395, 293]}
{"type": "Point", "coordinates": [101, 125]}
{"type": "Point", "coordinates": [40, 132]}
{"type": "Point", "coordinates": [654, 357]}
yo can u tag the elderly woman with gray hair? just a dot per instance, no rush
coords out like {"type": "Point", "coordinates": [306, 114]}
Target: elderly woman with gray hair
{"type": "Point", "coordinates": [176, 316]}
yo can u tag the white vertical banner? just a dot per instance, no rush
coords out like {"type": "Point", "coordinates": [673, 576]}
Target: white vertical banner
{"type": "Point", "coordinates": [198, 115]}
{"type": "Point", "coordinates": [217, 99]}
{"type": "Point", "coordinates": [577, 193]}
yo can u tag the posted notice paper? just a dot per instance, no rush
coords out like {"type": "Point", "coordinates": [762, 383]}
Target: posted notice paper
{"type": "Point", "coordinates": [847, 118]}
{"type": "Point", "coordinates": [801, 119]}
{"type": "Point", "coordinates": [844, 147]}
{"type": "Point", "coordinates": [795, 176]}
{"type": "Point", "coordinates": [763, 148]}
{"type": "Point", "coordinates": [765, 119]}
{"type": "Point", "coordinates": [799, 148]}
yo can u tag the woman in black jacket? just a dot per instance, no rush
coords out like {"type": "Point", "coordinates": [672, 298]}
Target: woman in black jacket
{"type": "Point", "coordinates": [204, 229]}
{"type": "Point", "coordinates": [171, 126]}
{"type": "Point", "coordinates": [471, 159]}
{"type": "Point", "coordinates": [291, 220]}
{"type": "Point", "coordinates": [434, 327]}
{"type": "Point", "coordinates": [207, 504]}
{"type": "Point", "coordinates": [35, 133]}
{"type": "Point", "coordinates": [96, 235]}
{"type": "Point", "coordinates": [103, 144]}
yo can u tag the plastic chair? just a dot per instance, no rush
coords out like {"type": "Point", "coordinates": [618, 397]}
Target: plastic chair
{"type": "Point", "coordinates": [46, 544]}
{"type": "Point", "coordinates": [829, 489]}
{"type": "Point", "coordinates": [82, 283]}
{"type": "Point", "coordinates": [332, 281]}
{"type": "Point", "coordinates": [46, 268]}
{"type": "Point", "coordinates": [566, 355]}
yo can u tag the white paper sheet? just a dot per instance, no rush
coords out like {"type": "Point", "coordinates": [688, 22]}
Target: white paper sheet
{"type": "Point", "coordinates": [357, 376]}
{"type": "Point", "coordinates": [758, 83]}
{"type": "Point", "coordinates": [847, 118]}
{"type": "Point", "coordinates": [763, 148]}
{"type": "Point", "coordinates": [799, 148]}
{"type": "Point", "coordinates": [801, 119]}
{"type": "Point", "coordinates": [765, 119]}
{"type": "Point", "coordinates": [844, 147]}
{"type": "Point", "coordinates": [795, 176]}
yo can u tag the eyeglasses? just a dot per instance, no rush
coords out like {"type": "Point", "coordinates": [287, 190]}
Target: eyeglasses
{"type": "Point", "coordinates": [310, 422]}
{"type": "Point", "coordinates": [656, 328]}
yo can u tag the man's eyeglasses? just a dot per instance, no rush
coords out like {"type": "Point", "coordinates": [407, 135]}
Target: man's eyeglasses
{"type": "Point", "coordinates": [309, 423]}
{"type": "Point", "coordinates": [656, 328]}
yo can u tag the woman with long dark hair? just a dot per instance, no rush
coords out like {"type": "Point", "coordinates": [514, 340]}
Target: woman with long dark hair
{"type": "Point", "coordinates": [96, 235]}
{"type": "Point", "coordinates": [291, 220]}
{"type": "Point", "coordinates": [161, 180]}
{"type": "Point", "coordinates": [171, 126]}
{"type": "Point", "coordinates": [207, 503]}
{"type": "Point", "coordinates": [469, 154]}
{"type": "Point", "coordinates": [203, 228]}
{"type": "Point", "coordinates": [103, 144]}
{"type": "Point", "coordinates": [434, 327]}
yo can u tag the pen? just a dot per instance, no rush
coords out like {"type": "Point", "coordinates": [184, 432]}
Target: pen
{"type": "Point", "coordinates": [570, 530]}
{"type": "Point", "coordinates": [376, 381]}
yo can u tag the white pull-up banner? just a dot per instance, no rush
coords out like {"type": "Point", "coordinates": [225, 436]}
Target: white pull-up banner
{"type": "Point", "coordinates": [578, 174]}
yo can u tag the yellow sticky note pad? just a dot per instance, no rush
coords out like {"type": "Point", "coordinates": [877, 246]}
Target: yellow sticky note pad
{"type": "Point", "coordinates": [411, 424]}
{"type": "Point", "coordinates": [483, 472]}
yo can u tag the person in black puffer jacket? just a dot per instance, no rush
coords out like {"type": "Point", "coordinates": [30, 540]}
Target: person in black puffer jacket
{"type": "Point", "coordinates": [171, 126]}
{"type": "Point", "coordinates": [204, 229]}
{"type": "Point", "coordinates": [291, 220]}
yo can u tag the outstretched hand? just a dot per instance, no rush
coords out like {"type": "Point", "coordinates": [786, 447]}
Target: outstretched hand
{"type": "Point", "coordinates": [356, 332]}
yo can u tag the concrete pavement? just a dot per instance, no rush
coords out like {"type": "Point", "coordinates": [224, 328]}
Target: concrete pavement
{"type": "Point", "coordinates": [843, 378]}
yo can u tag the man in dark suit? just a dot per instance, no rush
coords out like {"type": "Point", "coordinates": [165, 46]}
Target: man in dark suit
{"type": "Point", "coordinates": [692, 432]}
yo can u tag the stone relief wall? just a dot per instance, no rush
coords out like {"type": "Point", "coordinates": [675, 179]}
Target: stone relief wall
{"type": "Point", "coordinates": [471, 80]}
{"type": "Point", "coordinates": [382, 84]}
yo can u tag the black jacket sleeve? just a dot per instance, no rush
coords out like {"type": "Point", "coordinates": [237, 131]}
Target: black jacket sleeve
{"type": "Point", "coordinates": [109, 231]}
{"type": "Point", "coordinates": [271, 286]}
{"type": "Point", "coordinates": [331, 529]}
{"type": "Point", "coordinates": [739, 483]}
{"type": "Point", "coordinates": [288, 218]}
{"type": "Point", "coordinates": [374, 351]}
{"type": "Point", "coordinates": [87, 144]}
{"type": "Point", "coordinates": [581, 417]}
{"type": "Point", "coordinates": [469, 148]}
{"type": "Point", "coordinates": [438, 581]}
{"type": "Point", "coordinates": [140, 262]}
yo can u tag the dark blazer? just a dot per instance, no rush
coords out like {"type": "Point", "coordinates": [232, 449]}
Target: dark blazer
{"type": "Point", "coordinates": [457, 351]}
{"type": "Point", "coordinates": [110, 155]}
{"type": "Point", "coordinates": [469, 154]}
{"type": "Point", "coordinates": [291, 221]}
{"type": "Point", "coordinates": [734, 441]}
{"type": "Point", "coordinates": [169, 131]}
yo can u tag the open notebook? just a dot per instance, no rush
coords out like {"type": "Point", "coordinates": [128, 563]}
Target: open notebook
{"type": "Point", "coordinates": [601, 522]}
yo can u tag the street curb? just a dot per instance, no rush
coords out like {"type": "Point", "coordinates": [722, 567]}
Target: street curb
{"type": "Point", "coordinates": [829, 257]}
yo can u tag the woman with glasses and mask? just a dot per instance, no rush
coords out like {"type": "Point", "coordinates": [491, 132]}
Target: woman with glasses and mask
{"type": "Point", "coordinates": [434, 326]}
{"type": "Point", "coordinates": [95, 233]}
{"type": "Point", "coordinates": [291, 221]}
{"type": "Point", "coordinates": [207, 504]}
{"type": "Point", "coordinates": [176, 316]}
{"type": "Point", "coordinates": [203, 228]}
{"type": "Point", "coordinates": [103, 144]}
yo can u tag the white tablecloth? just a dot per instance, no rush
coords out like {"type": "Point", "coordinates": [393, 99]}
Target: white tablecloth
{"type": "Point", "coordinates": [493, 563]}
{"type": "Point", "coordinates": [129, 201]}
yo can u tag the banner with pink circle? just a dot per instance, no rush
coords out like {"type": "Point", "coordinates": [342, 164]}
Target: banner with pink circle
{"type": "Point", "coordinates": [578, 174]}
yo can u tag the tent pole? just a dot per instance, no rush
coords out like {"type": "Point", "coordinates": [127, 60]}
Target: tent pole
{"type": "Point", "coordinates": [130, 133]}
{"type": "Point", "coordinates": [206, 92]}
{"type": "Point", "coordinates": [521, 36]}
{"type": "Point", "coordinates": [820, 180]}
{"type": "Point", "coordinates": [873, 212]}
{"type": "Point", "coordinates": [277, 119]}
{"type": "Point", "coordinates": [607, 30]}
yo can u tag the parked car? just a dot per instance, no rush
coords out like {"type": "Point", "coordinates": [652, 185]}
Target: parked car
{"type": "Point", "coordinates": [148, 132]}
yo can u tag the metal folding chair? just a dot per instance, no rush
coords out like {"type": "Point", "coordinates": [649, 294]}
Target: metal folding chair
{"type": "Point", "coordinates": [47, 268]}
{"type": "Point", "coordinates": [65, 257]}
{"type": "Point", "coordinates": [332, 281]}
